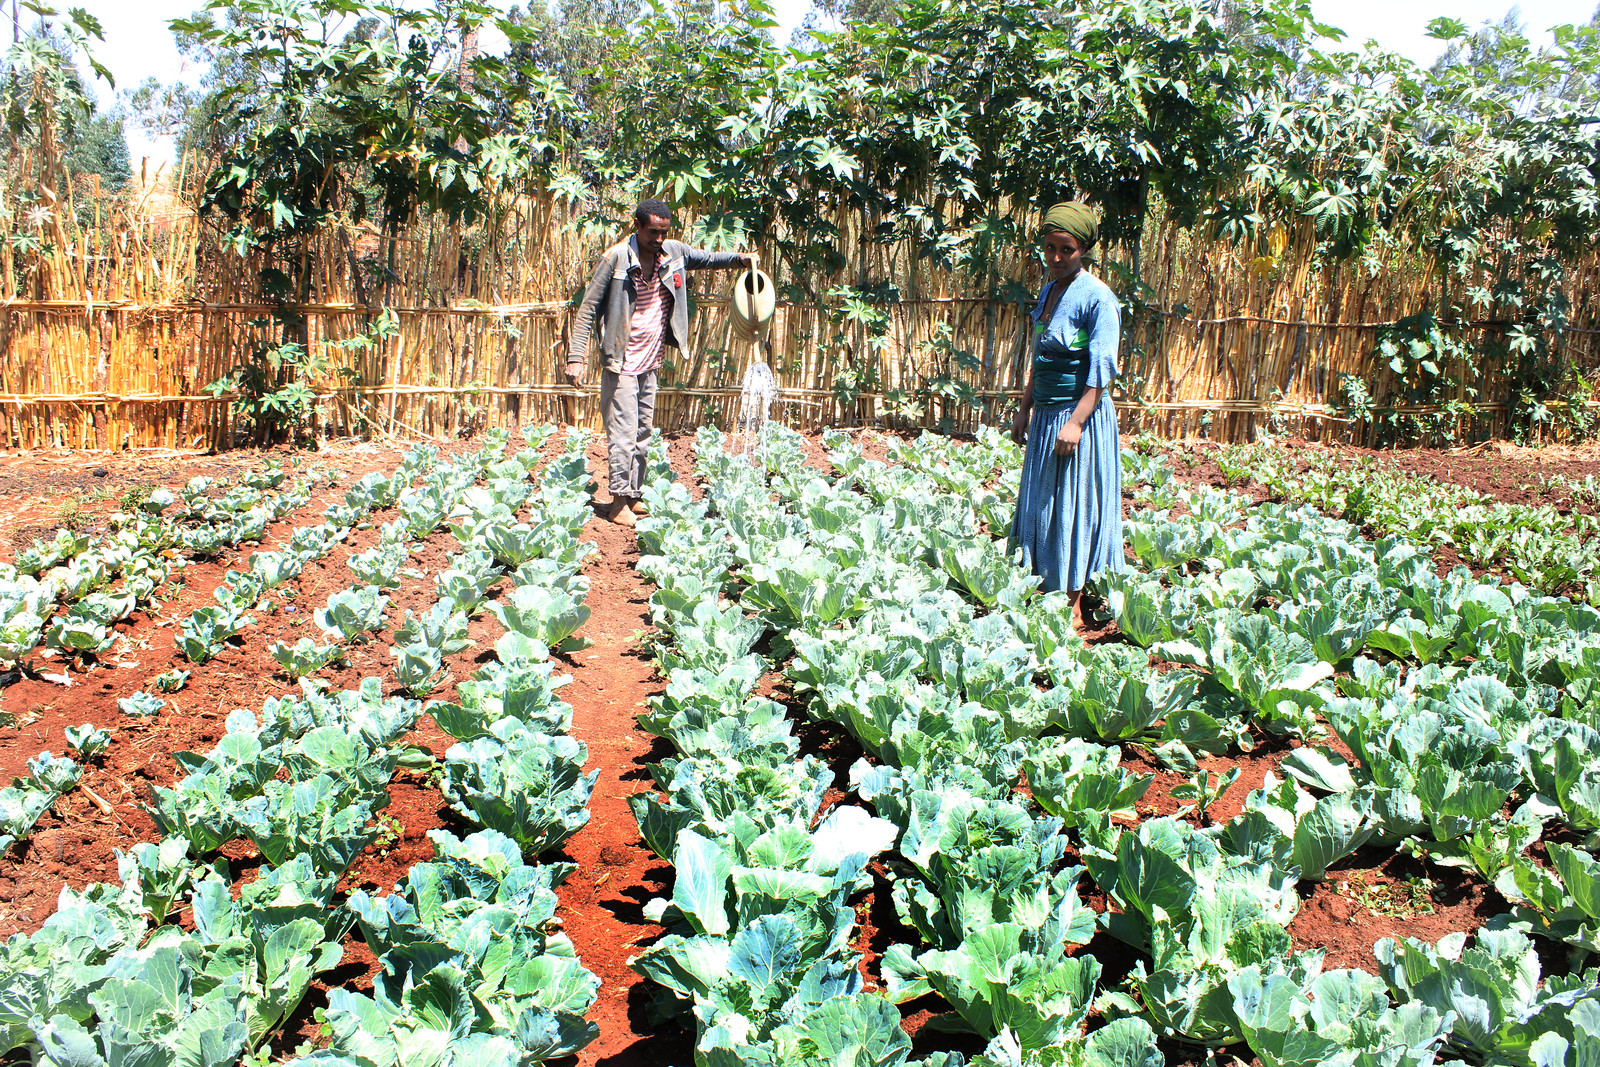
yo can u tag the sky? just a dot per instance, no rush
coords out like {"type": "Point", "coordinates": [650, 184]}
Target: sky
{"type": "Point", "coordinates": [138, 44]}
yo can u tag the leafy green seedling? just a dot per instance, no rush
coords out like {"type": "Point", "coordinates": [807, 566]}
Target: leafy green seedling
{"type": "Point", "coordinates": [1205, 789]}
{"type": "Point", "coordinates": [141, 705]}
{"type": "Point", "coordinates": [86, 740]}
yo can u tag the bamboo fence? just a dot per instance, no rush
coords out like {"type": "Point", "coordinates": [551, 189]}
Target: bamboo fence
{"type": "Point", "coordinates": [115, 328]}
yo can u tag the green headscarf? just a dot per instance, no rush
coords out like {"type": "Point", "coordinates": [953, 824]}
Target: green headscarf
{"type": "Point", "coordinates": [1074, 217]}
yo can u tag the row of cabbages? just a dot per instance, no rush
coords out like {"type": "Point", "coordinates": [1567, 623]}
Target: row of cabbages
{"type": "Point", "coordinates": [761, 924]}
{"type": "Point", "coordinates": [350, 614]}
{"type": "Point", "coordinates": [142, 549]}
{"type": "Point", "coordinates": [1210, 906]}
{"type": "Point", "coordinates": [1547, 548]}
{"type": "Point", "coordinates": [473, 968]}
{"type": "Point", "coordinates": [1477, 725]}
{"type": "Point", "coordinates": [139, 549]}
{"type": "Point", "coordinates": [1463, 764]}
{"type": "Point", "coordinates": [470, 971]}
{"type": "Point", "coordinates": [959, 847]}
{"type": "Point", "coordinates": [909, 630]}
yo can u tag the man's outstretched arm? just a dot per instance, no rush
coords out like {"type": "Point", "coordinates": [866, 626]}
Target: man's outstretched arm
{"type": "Point", "coordinates": [698, 259]}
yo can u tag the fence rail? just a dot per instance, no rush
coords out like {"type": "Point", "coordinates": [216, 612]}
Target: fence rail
{"type": "Point", "coordinates": [185, 418]}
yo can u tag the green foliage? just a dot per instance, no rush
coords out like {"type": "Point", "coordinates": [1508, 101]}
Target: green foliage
{"type": "Point", "coordinates": [390, 101]}
{"type": "Point", "coordinates": [1464, 763]}
{"type": "Point", "coordinates": [932, 129]}
{"type": "Point", "coordinates": [304, 656]}
{"type": "Point", "coordinates": [87, 740]}
{"type": "Point", "coordinates": [206, 631]}
{"type": "Point", "coordinates": [521, 1001]}
{"type": "Point", "coordinates": [45, 93]}
{"type": "Point", "coordinates": [351, 614]}
{"type": "Point", "coordinates": [170, 681]}
{"type": "Point", "coordinates": [100, 149]}
{"type": "Point", "coordinates": [25, 799]}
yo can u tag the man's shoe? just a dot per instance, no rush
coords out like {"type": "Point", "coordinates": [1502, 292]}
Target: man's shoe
{"type": "Point", "coordinates": [618, 512]}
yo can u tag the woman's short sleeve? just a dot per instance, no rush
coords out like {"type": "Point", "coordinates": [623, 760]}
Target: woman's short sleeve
{"type": "Point", "coordinates": [1104, 340]}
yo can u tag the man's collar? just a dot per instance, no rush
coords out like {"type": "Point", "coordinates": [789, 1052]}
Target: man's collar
{"type": "Point", "coordinates": [635, 260]}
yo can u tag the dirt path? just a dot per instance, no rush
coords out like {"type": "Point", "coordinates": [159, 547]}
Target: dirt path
{"type": "Point", "coordinates": [603, 900]}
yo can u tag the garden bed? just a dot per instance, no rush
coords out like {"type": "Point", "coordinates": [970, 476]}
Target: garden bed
{"type": "Point", "coordinates": [1370, 894]}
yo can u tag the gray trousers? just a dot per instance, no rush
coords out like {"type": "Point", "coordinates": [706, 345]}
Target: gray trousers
{"type": "Point", "coordinates": [628, 405]}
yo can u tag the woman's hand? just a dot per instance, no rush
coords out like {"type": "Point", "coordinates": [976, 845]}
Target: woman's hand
{"type": "Point", "coordinates": [1067, 439]}
{"type": "Point", "coordinates": [1019, 428]}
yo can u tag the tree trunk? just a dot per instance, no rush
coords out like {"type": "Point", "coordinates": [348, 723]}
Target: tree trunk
{"type": "Point", "coordinates": [469, 52]}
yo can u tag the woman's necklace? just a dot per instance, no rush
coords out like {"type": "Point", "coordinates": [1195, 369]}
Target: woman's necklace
{"type": "Point", "coordinates": [1053, 301]}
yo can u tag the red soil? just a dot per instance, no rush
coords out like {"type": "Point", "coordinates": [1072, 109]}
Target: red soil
{"type": "Point", "coordinates": [602, 903]}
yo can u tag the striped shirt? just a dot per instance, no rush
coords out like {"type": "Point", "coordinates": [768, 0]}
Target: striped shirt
{"type": "Point", "coordinates": [647, 331]}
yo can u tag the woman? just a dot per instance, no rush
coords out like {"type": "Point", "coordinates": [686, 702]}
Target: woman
{"type": "Point", "coordinates": [1069, 507]}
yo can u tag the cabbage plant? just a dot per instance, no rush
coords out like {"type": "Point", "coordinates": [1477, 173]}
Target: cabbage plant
{"type": "Point", "coordinates": [351, 614]}
{"type": "Point", "coordinates": [206, 632]}
{"type": "Point", "coordinates": [544, 615]}
{"type": "Point", "coordinates": [141, 705]}
{"type": "Point", "coordinates": [25, 799]}
{"type": "Point", "coordinates": [529, 786]}
{"type": "Point", "coordinates": [381, 566]}
{"type": "Point", "coordinates": [304, 656]}
{"type": "Point", "coordinates": [87, 740]}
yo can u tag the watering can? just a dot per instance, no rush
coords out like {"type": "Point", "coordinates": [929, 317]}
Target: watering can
{"type": "Point", "coordinates": [753, 300]}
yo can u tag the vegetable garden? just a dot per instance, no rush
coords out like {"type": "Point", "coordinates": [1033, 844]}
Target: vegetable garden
{"type": "Point", "coordinates": [804, 771]}
{"type": "Point", "coordinates": [382, 753]}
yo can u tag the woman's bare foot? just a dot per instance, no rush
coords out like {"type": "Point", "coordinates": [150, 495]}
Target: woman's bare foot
{"type": "Point", "coordinates": [1075, 599]}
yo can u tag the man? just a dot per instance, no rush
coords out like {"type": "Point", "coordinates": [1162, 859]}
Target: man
{"type": "Point", "coordinates": [640, 298]}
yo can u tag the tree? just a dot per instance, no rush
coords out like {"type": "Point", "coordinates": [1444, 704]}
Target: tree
{"type": "Point", "coordinates": [56, 139]}
{"type": "Point", "coordinates": [830, 14]}
{"type": "Point", "coordinates": [1579, 47]}
{"type": "Point", "coordinates": [162, 109]}
{"type": "Point", "coordinates": [100, 149]}
{"type": "Point", "coordinates": [389, 120]}
{"type": "Point", "coordinates": [1494, 54]}
{"type": "Point", "coordinates": [574, 43]}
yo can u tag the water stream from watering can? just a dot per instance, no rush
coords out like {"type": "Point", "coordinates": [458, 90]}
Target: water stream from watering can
{"type": "Point", "coordinates": [760, 389]}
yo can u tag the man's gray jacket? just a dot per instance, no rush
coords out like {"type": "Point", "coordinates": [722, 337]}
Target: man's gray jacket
{"type": "Point", "coordinates": [613, 291]}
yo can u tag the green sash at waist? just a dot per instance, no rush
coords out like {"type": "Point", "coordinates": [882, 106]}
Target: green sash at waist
{"type": "Point", "coordinates": [1058, 374]}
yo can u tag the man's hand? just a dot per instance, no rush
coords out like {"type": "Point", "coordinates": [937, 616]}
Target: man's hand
{"type": "Point", "coordinates": [753, 259]}
{"type": "Point", "coordinates": [1019, 428]}
{"type": "Point", "coordinates": [1067, 439]}
{"type": "Point", "coordinates": [575, 375]}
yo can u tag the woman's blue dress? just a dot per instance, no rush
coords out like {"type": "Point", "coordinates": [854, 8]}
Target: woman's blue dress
{"type": "Point", "coordinates": [1069, 508]}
